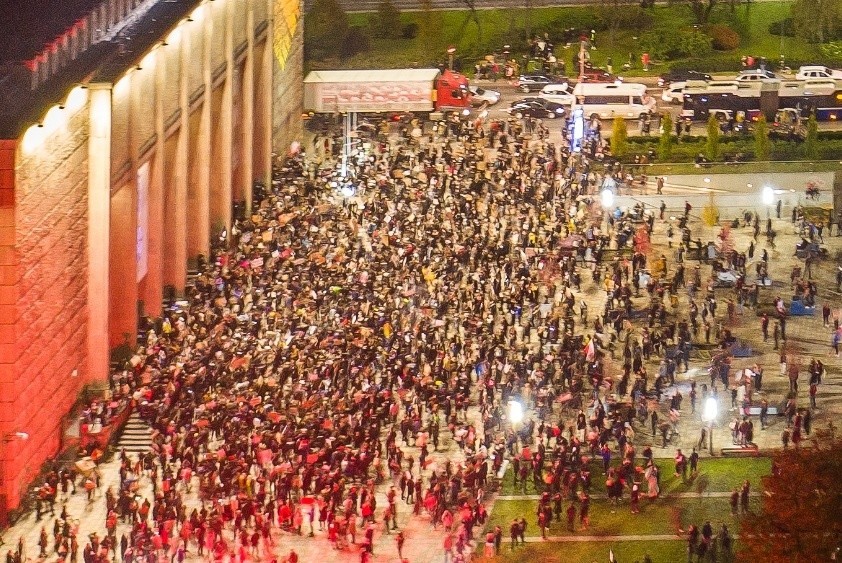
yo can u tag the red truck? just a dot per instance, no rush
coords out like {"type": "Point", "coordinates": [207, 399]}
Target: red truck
{"type": "Point", "coordinates": [422, 90]}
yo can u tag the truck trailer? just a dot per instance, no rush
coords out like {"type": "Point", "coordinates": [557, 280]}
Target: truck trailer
{"type": "Point", "coordinates": [422, 90]}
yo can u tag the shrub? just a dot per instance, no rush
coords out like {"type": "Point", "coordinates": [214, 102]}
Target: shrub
{"type": "Point", "coordinates": [723, 38]}
{"type": "Point", "coordinates": [783, 27]}
{"type": "Point", "coordinates": [410, 31]}
{"type": "Point", "coordinates": [619, 136]}
{"type": "Point", "coordinates": [665, 142]}
{"type": "Point", "coordinates": [666, 43]}
{"type": "Point", "coordinates": [356, 41]}
{"type": "Point", "coordinates": [712, 142]}
{"type": "Point", "coordinates": [762, 146]}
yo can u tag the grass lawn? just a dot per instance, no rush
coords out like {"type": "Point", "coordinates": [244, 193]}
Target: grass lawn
{"type": "Point", "coordinates": [508, 26]}
{"type": "Point", "coordinates": [626, 551]}
{"type": "Point", "coordinates": [715, 475]}
{"type": "Point", "coordinates": [661, 517]}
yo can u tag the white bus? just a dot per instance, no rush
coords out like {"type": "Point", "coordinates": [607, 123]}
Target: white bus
{"type": "Point", "coordinates": [619, 99]}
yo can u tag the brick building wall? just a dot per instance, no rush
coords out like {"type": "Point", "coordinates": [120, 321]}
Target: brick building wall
{"type": "Point", "coordinates": [50, 234]}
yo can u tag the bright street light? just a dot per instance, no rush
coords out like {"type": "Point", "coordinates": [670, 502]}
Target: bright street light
{"type": "Point", "coordinates": [515, 412]}
{"type": "Point", "coordinates": [709, 414]}
{"type": "Point", "coordinates": [711, 409]}
{"type": "Point", "coordinates": [767, 195]}
{"type": "Point", "coordinates": [606, 197]}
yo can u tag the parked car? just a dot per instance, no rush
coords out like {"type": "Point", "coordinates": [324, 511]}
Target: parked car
{"type": "Point", "coordinates": [536, 107]}
{"type": "Point", "coordinates": [757, 74]}
{"type": "Point", "coordinates": [532, 82]}
{"type": "Point", "coordinates": [681, 76]}
{"type": "Point", "coordinates": [598, 75]}
{"type": "Point", "coordinates": [806, 72]}
{"type": "Point", "coordinates": [481, 96]}
{"type": "Point", "coordinates": [558, 93]}
{"type": "Point", "coordinates": [674, 93]}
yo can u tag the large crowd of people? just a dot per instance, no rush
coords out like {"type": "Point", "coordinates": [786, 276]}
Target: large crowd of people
{"type": "Point", "coordinates": [349, 328]}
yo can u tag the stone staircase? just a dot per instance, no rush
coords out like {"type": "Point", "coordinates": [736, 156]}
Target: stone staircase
{"type": "Point", "coordinates": [136, 437]}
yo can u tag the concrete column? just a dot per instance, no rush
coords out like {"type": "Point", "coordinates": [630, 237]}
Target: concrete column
{"type": "Point", "coordinates": [267, 92]}
{"type": "Point", "coordinates": [123, 269]}
{"type": "Point", "coordinates": [175, 214]}
{"type": "Point", "coordinates": [221, 191]}
{"type": "Point", "coordinates": [152, 287]}
{"type": "Point", "coordinates": [99, 230]}
{"type": "Point", "coordinates": [198, 195]}
{"type": "Point", "coordinates": [247, 144]}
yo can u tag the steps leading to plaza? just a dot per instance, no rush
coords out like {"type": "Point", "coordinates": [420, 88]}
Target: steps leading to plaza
{"type": "Point", "coordinates": [136, 437]}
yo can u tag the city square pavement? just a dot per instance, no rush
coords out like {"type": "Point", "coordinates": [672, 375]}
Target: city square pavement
{"type": "Point", "coordinates": [807, 338]}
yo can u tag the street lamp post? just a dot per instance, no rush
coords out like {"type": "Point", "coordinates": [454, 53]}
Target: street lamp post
{"type": "Point", "coordinates": [709, 414]}
{"type": "Point", "coordinates": [450, 52]}
{"type": "Point", "coordinates": [767, 196]}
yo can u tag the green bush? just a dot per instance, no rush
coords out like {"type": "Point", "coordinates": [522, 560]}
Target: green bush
{"type": "Point", "coordinates": [723, 38]}
{"type": "Point", "coordinates": [712, 142]}
{"type": "Point", "coordinates": [626, 17]}
{"type": "Point", "coordinates": [410, 31]}
{"type": "Point", "coordinates": [783, 27]}
{"type": "Point", "coordinates": [325, 29]}
{"type": "Point", "coordinates": [667, 141]}
{"type": "Point", "coordinates": [356, 41]}
{"type": "Point", "coordinates": [619, 136]}
{"type": "Point", "coordinates": [762, 146]}
{"type": "Point", "coordinates": [386, 22]}
{"type": "Point", "coordinates": [667, 43]}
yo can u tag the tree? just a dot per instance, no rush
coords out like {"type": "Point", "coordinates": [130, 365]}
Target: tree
{"type": "Point", "coordinates": [619, 136]}
{"type": "Point", "coordinates": [325, 28]}
{"type": "Point", "coordinates": [800, 519]}
{"type": "Point", "coordinates": [761, 139]}
{"type": "Point", "coordinates": [710, 212]}
{"type": "Point", "coordinates": [817, 21]}
{"type": "Point", "coordinates": [712, 142]}
{"type": "Point", "coordinates": [702, 9]}
{"type": "Point", "coordinates": [665, 144]}
{"type": "Point", "coordinates": [429, 32]}
{"type": "Point", "coordinates": [811, 144]}
{"type": "Point", "coordinates": [387, 20]}
{"type": "Point", "coordinates": [472, 15]}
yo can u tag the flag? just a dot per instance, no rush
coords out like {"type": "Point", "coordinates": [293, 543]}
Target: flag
{"type": "Point", "coordinates": [590, 350]}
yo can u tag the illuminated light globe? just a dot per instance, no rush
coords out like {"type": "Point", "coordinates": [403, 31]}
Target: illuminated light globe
{"type": "Point", "coordinates": [515, 412]}
{"type": "Point", "coordinates": [767, 195]}
{"type": "Point", "coordinates": [347, 190]}
{"type": "Point", "coordinates": [711, 409]}
{"type": "Point", "coordinates": [606, 197]}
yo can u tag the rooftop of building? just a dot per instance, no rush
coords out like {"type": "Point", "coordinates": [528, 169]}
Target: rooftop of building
{"type": "Point", "coordinates": [28, 27]}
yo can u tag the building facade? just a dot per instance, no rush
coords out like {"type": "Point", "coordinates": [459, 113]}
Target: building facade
{"type": "Point", "coordinates": [132, 160]}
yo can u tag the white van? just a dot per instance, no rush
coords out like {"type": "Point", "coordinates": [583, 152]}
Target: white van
{"type": "Point", "coordinates": [607, 101]}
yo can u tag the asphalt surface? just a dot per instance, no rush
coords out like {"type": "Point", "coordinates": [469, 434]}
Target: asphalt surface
{"type": "Point", "coordinates": [510, 93]}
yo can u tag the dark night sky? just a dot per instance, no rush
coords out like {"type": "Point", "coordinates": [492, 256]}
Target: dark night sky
{"type": "Point", "coordinates": [26, 25]}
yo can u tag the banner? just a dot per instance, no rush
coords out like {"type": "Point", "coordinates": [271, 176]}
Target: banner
{"type": "Point", "coordinates": [142, 221]}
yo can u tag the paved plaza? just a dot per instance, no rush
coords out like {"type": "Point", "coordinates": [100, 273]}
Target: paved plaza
{"type": "Point", "coordinates": [807, 338]}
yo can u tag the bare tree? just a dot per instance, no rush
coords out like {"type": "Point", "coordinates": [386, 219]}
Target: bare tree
{"type": "Point", "coordinates": [702, 9]}
{"type": "Point", "coordinates": [472, 15]}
